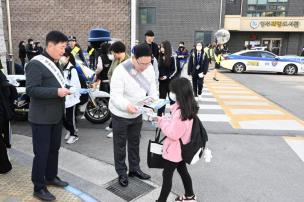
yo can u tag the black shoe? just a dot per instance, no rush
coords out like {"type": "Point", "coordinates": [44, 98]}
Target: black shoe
{"type": "Point", "coordinates": [140, 174]}
{"type": "Point", "coordinates": [215, 79]}
{"type": "Point", "coordinates": [57, 182]}
{"type": "Point", "coordinates": [44, 194]}
{"type": "Point", "coordinates": [123, 180]}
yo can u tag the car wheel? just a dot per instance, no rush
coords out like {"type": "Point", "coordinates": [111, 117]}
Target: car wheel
{"type": "Point", "coordinates": [290, 69]}
{"type": "Point", "coordinates": [239, 67]}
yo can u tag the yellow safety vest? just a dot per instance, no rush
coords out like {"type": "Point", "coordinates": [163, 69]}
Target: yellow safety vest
{"type": "Point", "coordinates": [75, 51]}
{"type": "Point", "coordinates": [206, 50]}
{"type": "Point", "coordinates": [91, 51]}
{"type": "Point", "coordinates": [218, 58]}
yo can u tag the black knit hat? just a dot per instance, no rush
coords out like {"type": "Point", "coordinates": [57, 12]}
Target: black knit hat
{"type": "Point", "coordinates": [149, 33]}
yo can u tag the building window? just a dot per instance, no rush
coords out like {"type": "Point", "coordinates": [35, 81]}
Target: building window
{"type": "Point", "coordinates": [266, 8]}
{"type": "Point", "coordinates": [203, 36]}
{"type": "Point", "coordinates": [147, 15]}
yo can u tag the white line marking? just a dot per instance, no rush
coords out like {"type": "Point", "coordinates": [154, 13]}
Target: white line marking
{"type": "Point", "coordinates": [232, 92]}
{"type": "Point", "coordinates": [240, 97]}
{"type": "Point", "coordinates": [255, 111]}
{"type": "Point", "coordinates": [272, 125]}
{"type": "Point", "coordinates": [213, 117]}
{"type": "Point", "coordinates": [244, 103]}
{"type": "Point", "coordinates": [297, 146]}
{"type": "Point", "coordinates": [207, 99]}
{"type": "Point", "coordinates": [210, 107]}
{"type": "Point", "coordinates": [226, 87]}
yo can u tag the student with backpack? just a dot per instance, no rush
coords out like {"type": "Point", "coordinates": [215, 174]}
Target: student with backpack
{"type": "Point", "coordinates": [72, 81]}
{"type": "Point", "coordinates": [176, 128]}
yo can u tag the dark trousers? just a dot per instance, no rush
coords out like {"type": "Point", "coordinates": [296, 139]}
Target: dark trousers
{"type": "Point", "coordinates": [169, 168]}
{"type": "Point", "coordinates": [197, 85]}
{"type": "Point", "coordinates": [126, 130]}
{"type": "Point", "coordinates": [22, 62]}
{"type": "Point", "coordinates": [5, 164]}
{"type": "Point", "coordinates": [5, 130]}
{"type": "Point", "coordinates": [46, 144]}
{"type": "Point", "coordinates": [69, 121]}
{"type": "Point", "coordinates": [163, 92]}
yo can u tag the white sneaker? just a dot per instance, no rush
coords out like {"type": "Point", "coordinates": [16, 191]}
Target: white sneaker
{"type": "Point", "coordinates": [108, 128]}
{"type": "Point", "coordinates": [196, 99]}
{"type": "Point", "coordinates": [110, 135]}
{"type": "Point", "coordinates": [72, 139]}
{"type": "Point", "coordinates": [67, 135]}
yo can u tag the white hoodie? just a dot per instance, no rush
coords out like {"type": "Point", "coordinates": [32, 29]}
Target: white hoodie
{"type": "Point", "coordinates": [73, 99]}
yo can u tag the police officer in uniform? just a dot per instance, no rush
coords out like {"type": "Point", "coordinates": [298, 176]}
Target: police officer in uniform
{"type": "Point", "coordinates": [76, 49]}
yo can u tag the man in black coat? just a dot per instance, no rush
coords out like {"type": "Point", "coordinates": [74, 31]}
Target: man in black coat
{"type": "Point", "coordinates": [150, 41]}
{"type": "Point", "coordinates": [198, 68]}
{"type": "Point", "coordinates": [46, 87]}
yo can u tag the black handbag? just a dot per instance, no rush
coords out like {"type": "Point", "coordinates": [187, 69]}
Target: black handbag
{"type": "Point", "coordinates": [155, 148]}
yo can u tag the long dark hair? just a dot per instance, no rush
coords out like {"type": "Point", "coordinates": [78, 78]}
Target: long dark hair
{"type": "Point", "coordinates": [21, 44]}
{"type": "Point", "coordinates": [184, 97]}
{"type": "Point", "coordinates": [168, 53]}
{"type": "Point", "coordinates": [68, 53]}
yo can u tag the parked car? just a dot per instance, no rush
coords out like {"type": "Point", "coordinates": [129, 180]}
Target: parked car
{"type": "Point", "coordinates": [258, 60]}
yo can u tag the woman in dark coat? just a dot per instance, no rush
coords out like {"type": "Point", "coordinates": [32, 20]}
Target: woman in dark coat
{"type": "Point", "coordinates": [167, 71]}
{"type": "Point", "coordinates": [22, 53]}
{"type": "Point", "coordinates": [8, 94]}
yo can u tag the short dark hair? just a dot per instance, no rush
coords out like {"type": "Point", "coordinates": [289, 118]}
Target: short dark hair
{"type": "Point", "coordinates": [182, 88]}
{"type": "Point", "coordinates": [55, 37]}
{"type": "Point", "coordinates": [142, 50]}
{"type": "Point", "coordinates": [118, 47]}
{"type": "Point", "coordinates": [149, 33]}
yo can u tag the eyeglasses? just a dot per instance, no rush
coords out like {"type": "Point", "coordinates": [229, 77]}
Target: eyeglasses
{"type": "Point", "coordinates": [143, 64]}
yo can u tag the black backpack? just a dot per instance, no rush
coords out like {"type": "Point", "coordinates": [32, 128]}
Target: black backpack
{"type": "Point", "coordinates": [83, 97]}
{"type": "Point", "coordinates": [192, 151]}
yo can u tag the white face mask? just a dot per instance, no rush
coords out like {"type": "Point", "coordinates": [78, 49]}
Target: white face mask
{"type": "Point", "coordinates": [172, 96]}
{"type": "Point", "coordinates": [63, 61]}
{"type": "Point", "coordinates": [111, 57]}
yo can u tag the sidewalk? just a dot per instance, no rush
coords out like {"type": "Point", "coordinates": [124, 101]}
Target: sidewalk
{"type": "Point", "coordinates": [90, 180]}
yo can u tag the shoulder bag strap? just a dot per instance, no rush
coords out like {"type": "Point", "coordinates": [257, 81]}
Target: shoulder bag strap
{"type": "Point", "coordinates": [50, 65]}
{"type": "Point", "coordinates": [138, 77]}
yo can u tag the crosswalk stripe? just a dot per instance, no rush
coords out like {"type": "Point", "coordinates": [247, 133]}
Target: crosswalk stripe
{"type": "Point", "coordinates": [255, 111]}
{"type": "Point", "coordinates": [242, 103]}
{"type": "Point", "coordinates": [239, 97]}
{"type": "Point", "coordinates": [201, 106]}
{"type": "Point", "coordinates": [213, 117]}
{"type": "Point", "coordinates": [248, 110]}
{"type": "Point", "coordinates": [206, 99]}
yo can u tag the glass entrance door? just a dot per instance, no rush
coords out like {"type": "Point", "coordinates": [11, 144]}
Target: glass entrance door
{"type": "Point", "coordinates": [273, 44]}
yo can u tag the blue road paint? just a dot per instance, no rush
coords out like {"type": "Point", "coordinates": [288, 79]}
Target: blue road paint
{"type": "Point", "coordinates": [85, 197]}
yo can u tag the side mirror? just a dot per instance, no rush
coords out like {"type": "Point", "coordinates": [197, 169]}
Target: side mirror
{"type": "Point", "coordinates": [276, 58]}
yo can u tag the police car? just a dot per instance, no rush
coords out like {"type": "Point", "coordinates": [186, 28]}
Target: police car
{"type": "Point", "coordinates": [258, 60]}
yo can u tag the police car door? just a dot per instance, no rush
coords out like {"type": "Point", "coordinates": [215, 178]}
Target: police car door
{"type": "Point", "coordinates": [251, 60]}
{"type": "Point", "coordinates": [269, 62]}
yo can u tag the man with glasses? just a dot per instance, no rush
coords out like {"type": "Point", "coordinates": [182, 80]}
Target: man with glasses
{"type": "Point", "coordinates": [131, 82]}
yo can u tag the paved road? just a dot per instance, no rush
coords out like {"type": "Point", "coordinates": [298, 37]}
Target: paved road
{"type": "Point", "coordinates": [251, 161]}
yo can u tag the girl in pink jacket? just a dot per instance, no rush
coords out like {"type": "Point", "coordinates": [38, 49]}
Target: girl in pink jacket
{"type": "Point", "coordinates": [176, 127]}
